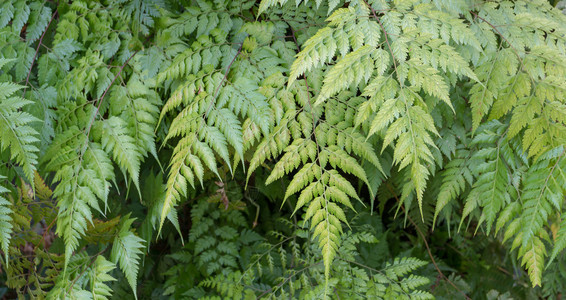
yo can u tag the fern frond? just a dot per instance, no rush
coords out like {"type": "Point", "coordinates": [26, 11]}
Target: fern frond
{"type": "Point", "coordinates": [115, 139]}
{"type": "Point", "coordinates": [5, 222]}
{"type": "Point", "coordinates": [456, 177]}
{"type": "Point", "coordinates": [15, 128]}
{"type": "Point", "coordinates": [400, 267]}
{"type": "Point", "coordinates": [82, 171]}
{"type": "Point", "coordinates": [355, 67]}
{"type": "Point", "coordinates": [392, 281]}
{"type": "Point", "coordinates": [542, 192]}
{"type": "Point", "coordinates": [266, 4]}
{"type": "Point", "coordinates": [243, 99]}
{"type": "Point", "coordinates": [98, 276]}
{"type": "Point", "coordinates": [318, 49]}
{"type": "Point", "coordinates": [229, 125]}
{"type": "Point", "coordinates": [533, 254]}
{"type": "Point", "coordinates": [321, 189]}
{"type": "Point", "coordinates": [21, 14]}
{"type": "Point", "coordinates": [69, 284]}
{"type": "Point", "coordinates": [413, 143]}
{"type": "Point", "coordinates": [138, 105]}
{"type": "Point", "coordinates": [491, 185]}
{"type": "Point", "coordinates": [270, 147]}
{"type": "Point", "coordinates": [126, 253]}
{"type": "Point", "coordinates": [559, 240]}
{"type": "Point", "coordinates": [39, 18]}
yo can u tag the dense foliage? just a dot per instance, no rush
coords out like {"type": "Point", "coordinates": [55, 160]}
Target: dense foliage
{"type": "Point", "coordinates": [159, 149]}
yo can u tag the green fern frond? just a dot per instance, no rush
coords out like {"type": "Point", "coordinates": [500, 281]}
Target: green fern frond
{"type": "Point", "coordinates": [543, 192]}
{"type": "Point", "coordinates": [98, 276]}
{"type": "Point", "coordinates": [321, 188]}
{"type": "Point", "coordinates": [116, 140]}
{"type": "Point", "coordinates": [354, 68]}
{"type": "Point", "coordinates": [138, 105]}
{"type": "Point", "coordinates": [15, 128]}
{"type": "Point", "coordinates": [127, 251]}
{"type": "Point", "coordinates": [39, 18]}
{"type": "Point", "coordinates": [318, 49]}
{"type": "Point", "coordinates": [70, 283]}
{"type": "Point", "coordinates": [533, 254]}
{"type": "Point", "coordinates": [465, 102]}
{"type": "Point", "coordinates": [456, 178]}
{"type": "Point", "coordinates": [491, 185]}
{"type": "Point", "coordinates": [82, 173]}
{"type": "Point", "coordinates": [559, 241]}
{"type": "Point", "coordinates": [266, 4]}
{"type": "Point", "coordinates": [5, 222]}
{"type": "Point", "coordinates": [401, 267]}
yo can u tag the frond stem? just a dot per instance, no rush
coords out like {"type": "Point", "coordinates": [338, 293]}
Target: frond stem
{"type": "Point", "coordinates": [36, 52]}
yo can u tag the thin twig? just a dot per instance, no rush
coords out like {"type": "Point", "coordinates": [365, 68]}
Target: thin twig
{"type": "Point", "coordinates": [515, 50]}
{"type": "Point", "coordinates": [256, 212]}
{"type": "Point", "coordinates": [84, 270]}
{"type": "Point", "coordinates": [287, 279]}
{"type": "Point", "coordinates": [223, 79]}
{"type": "Point", "coordinates": [385, 33]}
{"type": "Point", "coordinates": [104, 94]}
{"type": "Point", "coordinates": [218, 88]}
{"type": "Point", "coordinates": [197, 133]}
{"type": "Point", "coordinates": [308, 91]}
{"type": "Point", "coordinates": [36, 52]}
{"type": "Point", "coordinates": [496, 30]}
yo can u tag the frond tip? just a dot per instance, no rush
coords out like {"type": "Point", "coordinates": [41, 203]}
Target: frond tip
{"type": "Point", "coordinates": [127, 251]}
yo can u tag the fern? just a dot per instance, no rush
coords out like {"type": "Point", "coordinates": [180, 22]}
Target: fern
{"type": "Point", "coordinates": [17, 134]}
{"type": "Point", "coordinates": [559, 244]}
{"type": "Point", "coordinates": [266, 4]}
{"type": "Point", "coordinates": [517, 75]}
{"type": "Point", "coordinates": [457, 177]}
{"type": "Point", "coordinates": [403, 75]}
{"type": "Point", "coordinates": [542, 192]}
{"type": "Point", "coordinates": [490, 189]}
{"type": "Point", "coordinates": [99, 275]}
{"type": "Point", "coordinates": [70, 283]}
{"type": "Point", "coordinates": [82, 170]}
{"type": "Point", "coordinates": [5, 223]}
{"type": "Point", "coordinates": [142, 13]}
{"type": "Point", "coordinates": [138, 105]}
{"type": "Point", "coordinates": [126, 251]}
{"type": "Point", "coordinates": [115, 139]}
{"type": "Point", "coordinates": [342, 114]}
{"type": "Point", "coordinates": [402, 115]}
{"type": "Point", "coordinates": [215, 243]}
{"type": "Point", "coordinates": [300, 276]}
{"type": "Point", "coordinates": [39, 18]}
{"type": "Point", "coordinates": [212, 102]}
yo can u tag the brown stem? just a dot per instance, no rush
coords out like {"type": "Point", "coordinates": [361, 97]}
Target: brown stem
{"type": "Point", "coordinates": [308, 90]}
{"type": "Point", "coordinates": [496, 30]}
{"type": "Point", "coordinates": [88, 267]}
{"type": "Point", "coordinates": [105, 92]}
{"type": "Point", "coordinates": [385, 33]}
{"type": "Point", "coordinates": [36, 52]}
{"type": "Point", "coordinates": [287, 279]}
{"type": "Point", "coordinates": [223, 79]}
